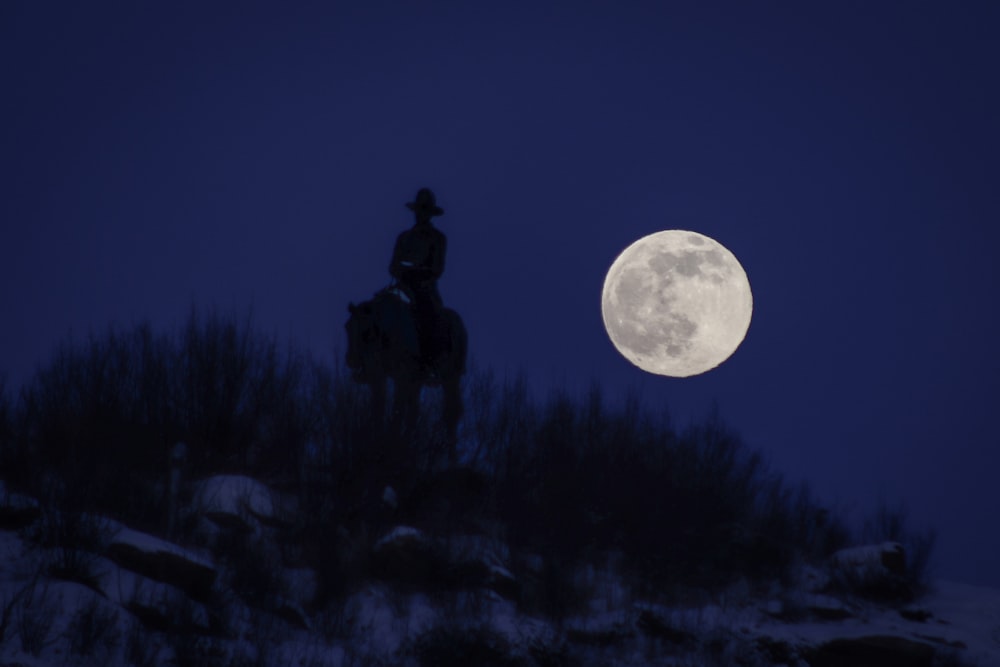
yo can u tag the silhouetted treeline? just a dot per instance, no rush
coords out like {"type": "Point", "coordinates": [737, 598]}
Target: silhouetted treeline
{"type": "Point", "coordinates": [567, 480]}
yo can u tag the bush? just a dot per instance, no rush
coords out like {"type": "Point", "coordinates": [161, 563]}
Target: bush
{"type": "Point", "coordinates": [698, 508]}
{"type": "Point", "coordinates": [93, 630]}
{"type": "Point", "coordinates": [873, 580]}
{"type": "Point", "coordinates": [72, 541]}
{"type": "Point", "coordinates": [104, 414]}
{"type": "Point", "coordinates": [98, 417]}
{"type": "Point", "coordinates": [255, 570]}
{"type": "Point", "coordinates": [238, 397]}
{"type": "Point", "coordinates": [33, 617]}
{"type": "Point", "coordinates": [566, 480]}
{"type": "Point", "coordinates": [892, 524]}
{"type": "Point", "coordinates": [139, 650]}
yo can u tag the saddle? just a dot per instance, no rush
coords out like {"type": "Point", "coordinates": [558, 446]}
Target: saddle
{"type": "Point", "coordinates": [432, 333]}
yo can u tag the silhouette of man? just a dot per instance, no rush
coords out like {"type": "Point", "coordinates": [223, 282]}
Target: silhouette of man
{"type": "Point", "coordinates": [417, 263]}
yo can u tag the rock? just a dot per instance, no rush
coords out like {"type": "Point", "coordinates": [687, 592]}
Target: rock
{"type": "Point", "coordinates": [871, 651]}
{"type": "Point", "coordinates": [293, 613]}
{"type": "Point", "coordinates": [407, 555]}
{"type": "Point", "coordinates": [889, 556]}
{"type": "Point", "coordinates": [160, 616]}
{"type": "Point", "coordinates": [158, 606]}
{"type": "Point", "coordinates": [501, 581]}
{"type": "Point", "coordinates": [389, 498]}
{"type": "Point", "coordinates": [893, 557]}
{"type": "Point", "coordinates": [237, 502]}
{"type": "Point", "coordinates": [462, 562]}
{"type": "Point", "coordinates": [17, 511]}
{"type": "Point", "coordinates": [812, 579]}
{"type": "Point", "coordinates": [916, 614]}
{"type": "Point", "coordinates": [654, 625]}
{"type": "Point", "coordinates": [944, 641]}
{"type": "Point", "coordinates": [774, 608]}
{"type": "Point", "coordinates": [476, 561]}
{"type": "Point", "coordinates": [600, 634]}
{"type": "Point", "coordinates": [163, 561]}
{"type": "Point", "coordinates": [874, 571]}
{"type": "Point", "coordinates": [827, 608]}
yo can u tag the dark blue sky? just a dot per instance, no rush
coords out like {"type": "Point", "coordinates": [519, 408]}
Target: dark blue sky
{"type": "Point", "coordinates": [260, 155]}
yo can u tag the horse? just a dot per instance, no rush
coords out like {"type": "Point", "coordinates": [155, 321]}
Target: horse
{"type": "Point", "coordinates": [382, 344]}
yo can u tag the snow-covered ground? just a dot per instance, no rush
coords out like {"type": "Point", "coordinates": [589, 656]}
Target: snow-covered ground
{"type": "Point", "coordinates": [152, 602]}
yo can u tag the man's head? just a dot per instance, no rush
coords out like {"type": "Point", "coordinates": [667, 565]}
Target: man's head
{"type": "Point", "coordinates": [425, 205]}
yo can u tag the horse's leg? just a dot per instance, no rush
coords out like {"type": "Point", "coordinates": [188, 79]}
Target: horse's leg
{"type": "Point", "coordinates": [376, 415]}
{"type": "Point", "coordinates": [451, 413]}
{"type": "Point", "coordinates": [405, 408]}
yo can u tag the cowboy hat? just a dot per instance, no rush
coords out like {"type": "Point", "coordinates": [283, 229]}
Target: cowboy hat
{"type": "Point", "coordinates": [425, 203]}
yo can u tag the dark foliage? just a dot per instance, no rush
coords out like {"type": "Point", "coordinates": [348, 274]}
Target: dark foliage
{"type": "Point", "coordinates": [874, 581]}
{"type": "Point", "coordinates": [71, 541]}
{"type": "Point", "coordinates": [33, 617]}
{"type": "Point", "coordinates": [104, 414]}
{"type": "Point", "coordinates": [255, 569]}
{"type": "Point", "coordinates": [93, 629]}
{"type": "Point", "coordinates": [892, 524]}
{"type": "Point", "coordinates": [564, 482]}
{"type": "Point", "coordinates": [691, 509]}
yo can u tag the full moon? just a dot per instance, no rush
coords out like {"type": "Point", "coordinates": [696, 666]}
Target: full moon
{"type": "Point", "coordinates": [676, 303]}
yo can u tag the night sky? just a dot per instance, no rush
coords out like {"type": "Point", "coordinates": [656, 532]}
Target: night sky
{"type": "Point", "coordinates": [159, 155]}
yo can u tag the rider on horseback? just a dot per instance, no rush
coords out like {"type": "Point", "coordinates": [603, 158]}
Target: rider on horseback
{"type": "Point", "coordinates": [417, 263]}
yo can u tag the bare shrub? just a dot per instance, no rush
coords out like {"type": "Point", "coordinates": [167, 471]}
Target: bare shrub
{"type": "Point", "coordinates": [695, 508]}
{"type": "Point", "coordinates": [238, 397]}
{"type": "Point", "coordinates": [96, 416]}
{"type": "Point", "coordinates": [873, 580]}
{"type": "Point", "coordinates": [33, 618]}
{"type": "Point", "coordinates": [139, 650]}
{"type": "Point", "coordinates": [71, 540]}
{"type": "Point", "coordinates": [93, 630]}
{"type": "Point", "coordinates": [104, 413]}
{"type": "Point", "coordinates": [254, 569]}
{"type": "Point", "coordinates": [892, 524]}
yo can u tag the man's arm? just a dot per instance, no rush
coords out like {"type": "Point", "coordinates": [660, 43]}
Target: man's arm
{"type": "Point", "coordinates": [394, 263]}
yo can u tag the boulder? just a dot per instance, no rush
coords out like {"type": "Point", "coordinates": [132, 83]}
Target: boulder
{"type": "Point", "coordinates": [603, 631]}
{"type": "Point", "coordinates": [408, 555]}
{"type": "Point", "coordinates": [169, 612]}
{"type": "Point", "coordinates": [290, 611]}
{"type": "Point", "coordinates": [477, 561]}
{"type": "Point", "coordinates": [163, 561]}
{"type": "Point", "coordinates": [17, 511]}
{"type": "Point", "coordinates": [874, 571]}
{"type": "Point", "coordinates": [916, 614]}
{"type": "Point", "coordinates": [655, 625]}
{"type": "Point", "coordinates": [237, 502]}
{"type": "Point", "coordinates": [501, 581]}
{"type": "Point", "coordinates": [827, 608]}
{"type": "Point", "coordinates": [462, 562]}
{"type": "Point", "coordinates": [887, 556]}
